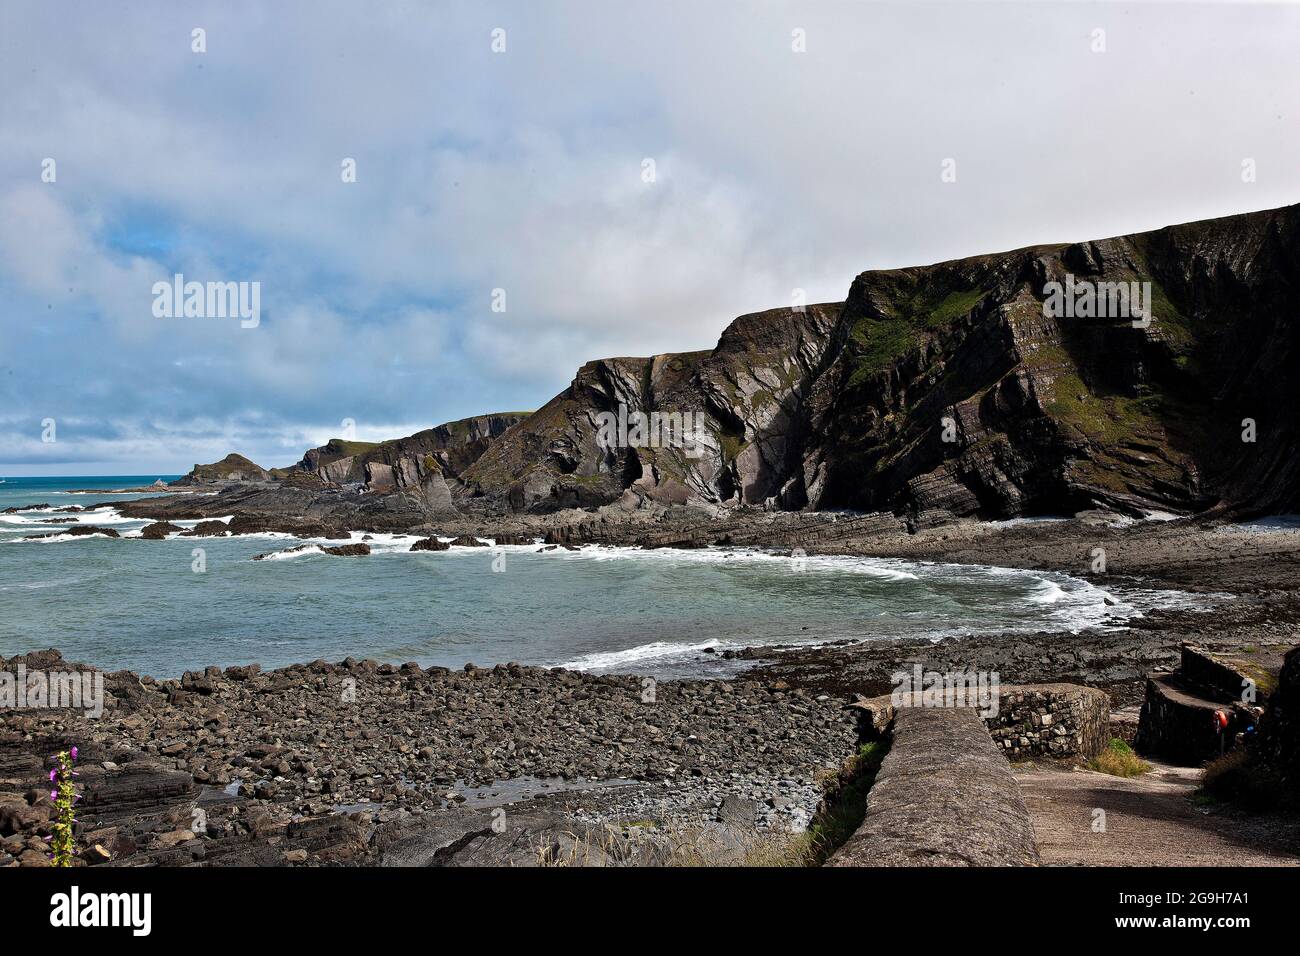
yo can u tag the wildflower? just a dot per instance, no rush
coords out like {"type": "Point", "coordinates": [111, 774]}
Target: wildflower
{"type": "Point", "coordinates": [62, 845]}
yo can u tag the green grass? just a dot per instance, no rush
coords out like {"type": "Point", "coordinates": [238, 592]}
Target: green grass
{"type": "Point", "coordinates": [915, 310]}
{"type": "Point", "coordinates": [879, 343]}
{"type": "Point", "coordinates": [337, 448]}
{"type": "Point", "coordinates": [1119, 760]}
{"type": "Point", "coordinates": [352, 447]}
{"type": "Point", "coordinates": [1108, 418]}
{"type": "Point", "coordinates": [846, 803]}
{"type": "Point", "coordinates": [1178, 327]}
{"type": "Point", "coordinates": [955, 305]}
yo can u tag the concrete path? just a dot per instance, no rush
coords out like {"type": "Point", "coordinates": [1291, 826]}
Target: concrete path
{"type": "Point", "coordinates": [1149, 821]}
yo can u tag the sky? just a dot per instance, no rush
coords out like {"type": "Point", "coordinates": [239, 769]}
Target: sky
{"type": "Point", "coordinates": [541, 184]}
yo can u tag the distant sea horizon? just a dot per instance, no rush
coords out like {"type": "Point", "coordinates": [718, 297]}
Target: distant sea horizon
{"type": "Point", "coordinates": [117, 480]}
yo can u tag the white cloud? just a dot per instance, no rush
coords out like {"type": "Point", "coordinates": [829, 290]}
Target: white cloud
{"type": "Point", "coordinates": [522, 171]}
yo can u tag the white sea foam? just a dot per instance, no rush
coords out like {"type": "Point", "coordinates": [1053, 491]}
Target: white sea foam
{"type": "Point", "coordinates": [642, 653]}
{"type": "Point", "coordinates": [289, 554]}
{"type": "Point", "coordinates": [48, 519]}
{"type": "Point", "coordinates": [190, 523]}
{"type": "Point", "coordinates": [1047, 592]}
{"type": "Point", "coordinates": [1037, 519]}
{"type": "Point", "coordinates": [103, 516]}
{"type": "Point", "coordinates": [888, 569]}
{"type": "Point", "coordinates": [57, 538]}
{"type": "Point", "coordinates": [41, 585]}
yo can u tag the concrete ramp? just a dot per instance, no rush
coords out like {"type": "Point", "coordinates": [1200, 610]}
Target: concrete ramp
{"type": "Point", "coordinates": [944, 796]}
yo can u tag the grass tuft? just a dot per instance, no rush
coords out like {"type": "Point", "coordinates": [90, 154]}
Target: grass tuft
{"type": "Point", "coordinates": [1119, 760]}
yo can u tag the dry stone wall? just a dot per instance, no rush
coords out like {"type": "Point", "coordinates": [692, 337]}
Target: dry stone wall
{"type": "Point", "coordinates": [1031, 720]}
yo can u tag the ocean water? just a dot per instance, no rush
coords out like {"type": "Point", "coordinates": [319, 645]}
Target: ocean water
{"type": "Point", "coordinates": [132, 603]}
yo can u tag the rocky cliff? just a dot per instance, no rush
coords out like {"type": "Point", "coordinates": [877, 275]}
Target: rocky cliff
{"type": "Point", "coordinates": [976, 387]}
{"type": "Point", "coordinates": [446, 450]}
{"type": "Point", "coordinates": [231, 468]}
{"type": "Point", "coordinates": [952, 389]}
{"type": "Point", "coordinates": [408, 478]}
{"type": "Point", "coordinates": [744, 399]}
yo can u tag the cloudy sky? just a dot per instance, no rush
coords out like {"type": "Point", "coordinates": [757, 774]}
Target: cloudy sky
{"type": "Point", "coordinates": [526, 170]}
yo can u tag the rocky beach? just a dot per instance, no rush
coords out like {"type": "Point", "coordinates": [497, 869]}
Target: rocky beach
{"type": "Point", "coordinates": [366, 762]}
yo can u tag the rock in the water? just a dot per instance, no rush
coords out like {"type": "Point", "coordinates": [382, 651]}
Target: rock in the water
{"type": "Point", "coordinates": [430, 544]}
{"type": "Point", "coordinates": [348, 550]}
{"type": "Point", "coordinates": [78, 531]}
{"type": "Point", "coordinates": [207, 529]}
{"type": "Point", "coordinates": [159, 530]}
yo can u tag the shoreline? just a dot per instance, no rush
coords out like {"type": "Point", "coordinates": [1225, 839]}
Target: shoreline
{"type": "Point", "coordinates": [1079, 618]}
{"type": "Point", "coordinates": [419, 750]}
{"type": "Point", "coordinates": [1209, 564]}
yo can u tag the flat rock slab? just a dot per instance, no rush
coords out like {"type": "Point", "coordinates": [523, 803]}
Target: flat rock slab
{"type": "Point", "coordinates": [944, 796]}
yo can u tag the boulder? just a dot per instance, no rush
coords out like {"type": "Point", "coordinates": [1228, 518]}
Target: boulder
{"type": "Point", "coordinates": [430, 544]}
{"type": "Point", "coordinates": [348, 550]}
{"type": "Point", "coordinates": [78, 531]}
{"type": "Point", "coordinates": [159, 530]}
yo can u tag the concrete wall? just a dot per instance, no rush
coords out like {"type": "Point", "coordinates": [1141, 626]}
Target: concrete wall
{"type": "Point", "coordinates": [944, 796]}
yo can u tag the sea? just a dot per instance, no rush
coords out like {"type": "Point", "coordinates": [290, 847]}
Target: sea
{"type": "Point", "coordinates": [164, 607]}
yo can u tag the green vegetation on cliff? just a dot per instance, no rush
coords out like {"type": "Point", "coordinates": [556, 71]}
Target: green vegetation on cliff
{"type": "Point", "coordinates": [910, 308]}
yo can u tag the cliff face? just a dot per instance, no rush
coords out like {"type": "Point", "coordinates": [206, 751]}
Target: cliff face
{"type": "Point", "coordinates": [739, 406]}
{"type": "Point", "coordinates": [947, 388]}
{"type": "Point", "coordinates": [1056, 414]}
{"type": "Point", "coordinates": [429, 456]}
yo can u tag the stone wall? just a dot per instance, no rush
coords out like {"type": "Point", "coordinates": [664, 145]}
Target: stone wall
{"type": "Point", "coordinates": [1051, 720]}
{"type": "Point", "coordinates": [1178, 724]}
{"type": "Point", "coordinates": [1200, 712]}
{"type": "Point", "coordinates": [1032, 720]}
